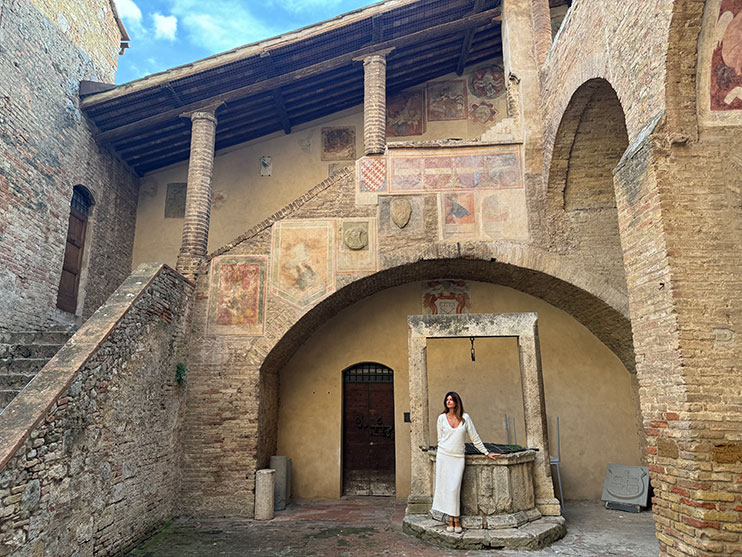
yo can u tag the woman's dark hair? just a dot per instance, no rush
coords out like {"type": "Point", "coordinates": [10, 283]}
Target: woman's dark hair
{"type": "Point", "coordinates": [459, 410]}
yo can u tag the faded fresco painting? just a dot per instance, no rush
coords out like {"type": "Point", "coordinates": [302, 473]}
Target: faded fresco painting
{"type": "Point", "coordinates": [338, 144]}
{"type": "Point", "coordinates": [487, 82]}
{"type": "Point", "coordinates": [458, 213]}
{"type": "Point", "coordinates": [302, 260]}
{"type": "Point", "coordinates": [726, 59]}
{"type": "Point", "coordinates": [447, 100]}
{"type": "Point", "coordinates": [356, 245]}
{"type": "Point", "coordinates": [503, 214]}
{"type": "Point", "coordinates": [441, 297]}
{"type": "Point", "coordinates": [237, 295]}
{"type": "Point", "coordinates": [411, 173]}
{"type": "Point", "coordinates": [483, 112]}
{"type": "Point", "coordinates": [405, 114]}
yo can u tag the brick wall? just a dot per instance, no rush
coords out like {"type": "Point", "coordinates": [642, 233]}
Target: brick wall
{"type": "Point", "coordinates": [679, 215]}
{"type": "Point", "coordinates": [89, 451]}
{"type": "Point", "coordinates": [46, 148]}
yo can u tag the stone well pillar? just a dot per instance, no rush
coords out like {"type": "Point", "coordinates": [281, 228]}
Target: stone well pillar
{"type": "Point", "coordinates": [198, 194]}
{"type": "Point", "coordinates": [374, 104]}
{"type": "Point", "coordinates": [421, 483]}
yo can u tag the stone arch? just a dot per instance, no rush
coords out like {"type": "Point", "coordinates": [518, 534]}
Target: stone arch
{"type": "Point", "coordinates": [604, 314]}
{"type": "Point", "coordinates": [589, 143]}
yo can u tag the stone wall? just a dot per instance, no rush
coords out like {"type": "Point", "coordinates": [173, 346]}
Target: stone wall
{"type": "Point", "coordinates": [89, 451]}
{"type": "Point", "coordinates": [46, 148]}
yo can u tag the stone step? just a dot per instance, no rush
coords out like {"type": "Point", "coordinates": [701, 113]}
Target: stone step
{"type": "Point", "coordinates": [35, 337]}
{"type": "Point", "coordinates": [22, 365]}
{"type": "Point", "coordinates": [12, 351]}
{"type": "Point", "coordinates": [15, 381]}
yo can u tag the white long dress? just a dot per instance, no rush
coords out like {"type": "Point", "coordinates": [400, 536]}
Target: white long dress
{"type": "Point", "coordinates": [449, 463]}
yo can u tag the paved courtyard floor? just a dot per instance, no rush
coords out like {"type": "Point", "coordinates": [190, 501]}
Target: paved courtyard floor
{"type": "Point", "coordinates": [365, 526]}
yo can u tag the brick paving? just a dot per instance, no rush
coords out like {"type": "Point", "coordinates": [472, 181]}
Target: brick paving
{"type": "Point", "coordinates": [364, 526]}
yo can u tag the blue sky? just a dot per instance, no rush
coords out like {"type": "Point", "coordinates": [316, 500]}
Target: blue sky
{"type": "Point", "coordinates": [167, 33]}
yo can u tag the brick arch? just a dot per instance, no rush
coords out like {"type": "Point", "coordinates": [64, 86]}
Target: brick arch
{"type": "Point", "coordinates": [603, 310]}
{"type": "Point", "coordinates": [589, 143]}
{"type": "Point", "coordinates": [681, 69]}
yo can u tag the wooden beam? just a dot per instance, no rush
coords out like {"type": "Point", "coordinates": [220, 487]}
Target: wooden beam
{"type": "Point", "coordinates": [268, 84]}
{"type": "Point", "coordinates": [468, 38]}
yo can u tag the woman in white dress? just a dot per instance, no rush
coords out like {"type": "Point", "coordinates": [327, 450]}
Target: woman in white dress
{"type": "Point", "coordinates": [453, 425]}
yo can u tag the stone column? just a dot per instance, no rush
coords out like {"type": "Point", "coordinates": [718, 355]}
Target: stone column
{"type": "Point", "coordinates": [537, 433]}
{"type": "Point", "coordinates": [374, 104]}
{"type": "Point", "coordinates": [421, 487]}
{"type": "Point", "coordinates": [198, 194]}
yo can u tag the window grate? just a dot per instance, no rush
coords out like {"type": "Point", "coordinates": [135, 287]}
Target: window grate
{"type": "Point", "coordinates": [368, 373]}
{"type": "Point", "coordinates": [80, 201]}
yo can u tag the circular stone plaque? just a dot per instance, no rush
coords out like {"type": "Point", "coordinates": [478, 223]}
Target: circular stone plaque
{"type": "Point", "coordinates": [355, 238]}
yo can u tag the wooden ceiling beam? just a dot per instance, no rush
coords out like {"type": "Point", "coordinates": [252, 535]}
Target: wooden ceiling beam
{"type": "Point", "coordinates": [477, 20]}
{"type": "Point", "coordinates": [466, 43]}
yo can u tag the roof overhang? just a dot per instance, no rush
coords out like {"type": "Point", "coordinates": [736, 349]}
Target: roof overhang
{"type": "Point", "coordinates": [292, 79]}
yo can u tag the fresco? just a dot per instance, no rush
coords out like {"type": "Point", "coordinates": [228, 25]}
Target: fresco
{"type": "Point", "coordinates": [726, 59]}
{"type": "Point", "coordinates": [413, 173]}
{"type": "Point", "coordinates": [458, 212]}
{"type": "Point", "coordinates": [482, 113]}
{"type": "Point", "coordinates": [487, 82]}
{"type": "Point", "coordinates": [405, 114]}
{"type": "Point", "coordinates": [446, 297]}
{"type": "Point", "coordinates": [447, 100]}
{"type": "Point", "coordinates": [237, 295]}
{"type": "Point", "coordinates": [338, 144]}
{"type": "Point", "coordinates": [302, 260]}
{"type": "Point", "coordinates": [356, 245]}
{"type": "Point", "coordinates": [371, 174]}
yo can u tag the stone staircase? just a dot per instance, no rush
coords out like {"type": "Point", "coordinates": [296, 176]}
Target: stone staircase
{"type": "Point", "coordinates": [22, 355]}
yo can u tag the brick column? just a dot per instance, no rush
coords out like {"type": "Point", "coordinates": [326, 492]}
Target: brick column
{"type": "Point", "coordinates": [198, 195]}
{"type": "Point", "coordinates": [541, 15]}
{"type": "Point", "coordinates": [374, 104]}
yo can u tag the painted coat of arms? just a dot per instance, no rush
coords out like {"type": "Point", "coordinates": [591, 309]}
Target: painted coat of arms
{"type": "Point", "coordinates": [726, 59]}
{"type": "Point", "coordinates": [446, 297]}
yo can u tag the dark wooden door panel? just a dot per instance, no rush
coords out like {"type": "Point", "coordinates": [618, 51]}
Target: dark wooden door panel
{"type": "Point", "coordinates": [69, 282]}
{"type": "Point", "coordinates": [368, 438]}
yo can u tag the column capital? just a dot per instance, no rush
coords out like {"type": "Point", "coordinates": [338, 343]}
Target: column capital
{"type": "Point", "coordinates": [377, 56]}
{"type": "Point", "coordinates": [207, 112]}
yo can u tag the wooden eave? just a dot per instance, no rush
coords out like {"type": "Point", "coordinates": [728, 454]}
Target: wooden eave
{"type": "Point", "coordinates": [290, 80]}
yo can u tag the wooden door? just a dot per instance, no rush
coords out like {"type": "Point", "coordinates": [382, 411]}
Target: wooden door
{"type": "Point", "coordinates": [368, 431]}
{"type": "Point", "coordinates": [69, 282]}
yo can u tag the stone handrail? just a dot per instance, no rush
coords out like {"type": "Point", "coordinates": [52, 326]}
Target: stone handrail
{"type": "Point", "coordinates": [94, 435]}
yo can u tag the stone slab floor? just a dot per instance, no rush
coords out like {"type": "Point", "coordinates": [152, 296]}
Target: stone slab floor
{"type": "Point", "coordinates": [365, 526]}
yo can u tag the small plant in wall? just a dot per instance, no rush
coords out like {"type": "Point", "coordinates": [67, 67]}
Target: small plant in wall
{"type": "Point", "coordinates": [181, 370]}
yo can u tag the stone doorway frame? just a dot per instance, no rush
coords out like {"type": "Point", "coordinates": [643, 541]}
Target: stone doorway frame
{"type": "Point", "coordinates": [522, 326]}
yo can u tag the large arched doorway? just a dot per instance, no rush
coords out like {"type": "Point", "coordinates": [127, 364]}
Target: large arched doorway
{"type": "Point", "coordinates": [368, 430]}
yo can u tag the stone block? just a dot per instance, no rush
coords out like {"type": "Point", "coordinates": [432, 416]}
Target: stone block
{"type": "Point", "coordinates": [264, 485]}
{"type": "Point", "coordinates": [282, 485]}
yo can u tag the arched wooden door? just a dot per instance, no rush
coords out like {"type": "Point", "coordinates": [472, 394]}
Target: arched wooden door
{"type": "Point", "coordinates": [368, 430]}
{"type": "Point", "coordinates": [69, 282]}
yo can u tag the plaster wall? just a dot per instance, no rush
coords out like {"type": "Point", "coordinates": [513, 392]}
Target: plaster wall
{"type": "Point", "coordinates": [242, 198]}
{"type": "Point", "coordinates": [585, 383]}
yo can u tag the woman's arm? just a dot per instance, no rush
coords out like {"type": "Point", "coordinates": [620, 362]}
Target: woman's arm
{"type": "Point", "coordinates": [474, 436]}
{"type": "Point", "coordinates": [440, 426]}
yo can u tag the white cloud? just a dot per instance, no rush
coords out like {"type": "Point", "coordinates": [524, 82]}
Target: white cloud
{"type": "Point", "coordinates": [127, 9]}
{"type": "Point", "coordinates": [165, 26]}
{"type": "Point", "coordinates": [219, 25]}
{"type": "Point", "coordinates": [304, 6]}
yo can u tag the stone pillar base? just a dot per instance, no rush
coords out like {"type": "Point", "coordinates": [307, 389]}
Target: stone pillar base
{"type": "Point", "coordinates": [264, 482]}
{"type": "Point", "coordinates": [419, 504]}
{"type": "Point", "coordinates": [549, 507]}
